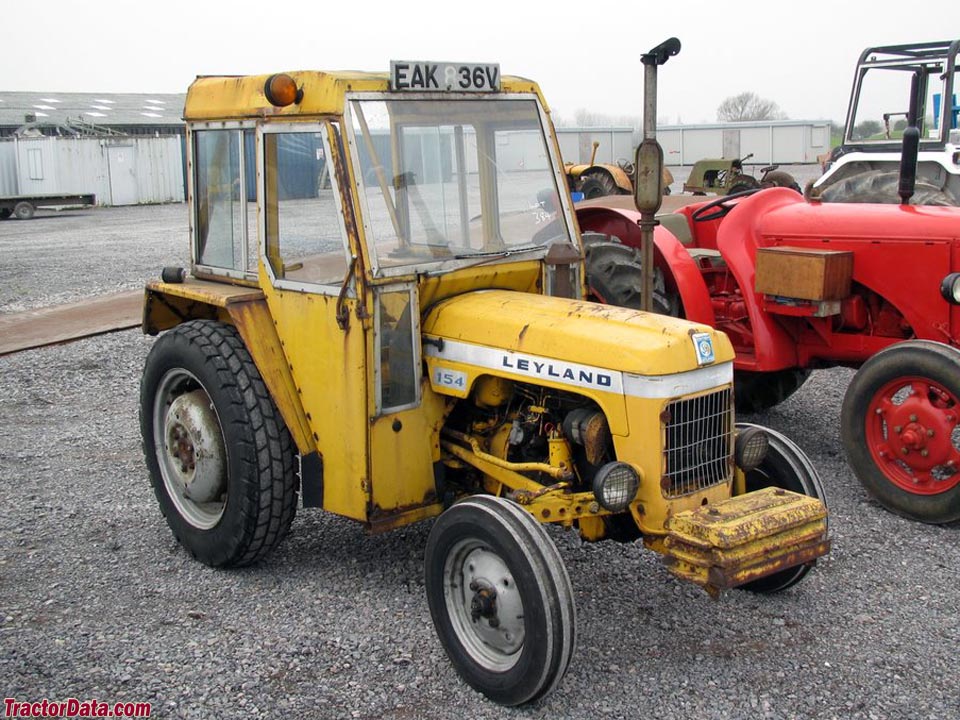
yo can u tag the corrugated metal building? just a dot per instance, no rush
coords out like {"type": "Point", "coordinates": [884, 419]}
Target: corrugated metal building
{"type": "Point", "coordinates": [128, 149]}
{"type": "Point", "coordinates": [119, 170]}
{"type": "Point", "coordinates": [787, 142]}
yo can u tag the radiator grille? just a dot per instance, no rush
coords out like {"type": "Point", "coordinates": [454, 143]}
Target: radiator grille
{"type": "Point", "coordinates": [699, 433]}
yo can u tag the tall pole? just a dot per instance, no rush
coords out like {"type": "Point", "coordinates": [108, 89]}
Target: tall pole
{"type": "Point", "coordinates": [648, 185]}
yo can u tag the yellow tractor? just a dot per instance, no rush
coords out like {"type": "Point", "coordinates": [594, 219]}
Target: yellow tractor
{"type": "Point", "coordinates": [595, 180]}
{"type": "Point", "coordinates": [385, 317]}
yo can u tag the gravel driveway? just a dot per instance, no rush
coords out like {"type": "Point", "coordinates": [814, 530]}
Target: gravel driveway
{"type": "Point", "coordinates": [97, 600]}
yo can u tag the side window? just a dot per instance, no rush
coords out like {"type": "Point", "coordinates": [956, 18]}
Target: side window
{"type": "Point", "coordinates": [399, 361]}
{"type": "Point", "coordinates": [220, 224]}
{"type": "Point", "coordinates": [302, 219]}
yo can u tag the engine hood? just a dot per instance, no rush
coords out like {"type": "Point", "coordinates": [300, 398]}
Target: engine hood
{"type": "Point", "coordinates": [573, 331]}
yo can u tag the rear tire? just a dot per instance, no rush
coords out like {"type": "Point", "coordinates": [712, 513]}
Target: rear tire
{"type": "Point", "coordinates": [500, 599]}
{"type": "Point", "coordinates": [220, 457]}
{"type": "Point", "coordinates": [615, 275]}
{"type": "Point", "coordinates": [880, 186]}
{"type": "Point", "coordinates": [597, 184]}
{"type": "Point", "coordinates": [779, 178]}
{"type": "Point", "coordinates": [757, 391]}
{"type": "Point", "coordinates": [785, 466]}
{"type": "Point", "coordinates": [5, 213]}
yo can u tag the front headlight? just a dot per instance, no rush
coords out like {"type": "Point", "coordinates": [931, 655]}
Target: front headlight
{"type": "Point", "coordinates": [950, 288]}
{"type": "Point", "coordinates": [615, 486]}
{"type": "Point", "coordinates": [750, 448]}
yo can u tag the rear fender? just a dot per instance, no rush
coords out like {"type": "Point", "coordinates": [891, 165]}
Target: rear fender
{"type": "Point", "coordinates": [669, 255]}
{"type": "Point", "coordinates": [166, 305]}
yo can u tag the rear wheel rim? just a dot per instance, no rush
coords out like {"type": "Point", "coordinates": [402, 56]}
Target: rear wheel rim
{"type": "Point", "coordinates": [188, 440]}
{"type": "Point", "coordinates": [913, 435]}
{"type": "Point", "coordinates": [484, 606]}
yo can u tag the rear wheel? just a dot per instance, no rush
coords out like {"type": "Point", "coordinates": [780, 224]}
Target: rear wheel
{"type": "Point", "coordinates": [901, 429]}
{"type": "Point", "coordinates": [5, 213]}
{"type": "Point", "coordinates": [500, 599]}
{"type": "Point", "coordinates": [880, 186]}
{"type": "Point", "coordinates": [742, 184]}
{"type": "Point", "coordinates": [220, 457]}
{"type": "Point", "coordinates": [757, 391]}
{"type": "Point", "coordinates": [785, 466]}
{"type": "Point", "coordinates": [615, 275]}
{"type": "Point", "coordinates": [779, 178]}
{"type": "Point", "coordinates": [597, 184]}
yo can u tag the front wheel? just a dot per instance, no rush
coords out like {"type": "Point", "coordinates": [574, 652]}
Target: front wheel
{"type": "Point", "coordinates": [785, 466]}
{"type": "Point", "coordinates": [901, 429]}
{"type": "Point", "coordinates": [500, 599]}
{"type": "Point", "coordinates": [220, 457]}
{"type": "Point", "coordinates": [757, 391]}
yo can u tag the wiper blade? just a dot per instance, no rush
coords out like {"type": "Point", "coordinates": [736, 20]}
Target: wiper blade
{"type": "Point", "coordinates": [499, 253]}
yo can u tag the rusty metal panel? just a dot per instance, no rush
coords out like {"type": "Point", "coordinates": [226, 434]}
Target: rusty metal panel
{"type": "Point", "coordinates": [746, 537]}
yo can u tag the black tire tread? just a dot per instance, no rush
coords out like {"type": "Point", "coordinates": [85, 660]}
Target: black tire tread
{"type": "Point", "coordinates": [615, 275]}
{"type": "Point", "coordinates": [880, 186]}
{"type": "Point", "coordinates": [547, 568]}
{"type": "Point", "coordinates": [757, 391]}
{"type": "Point", "coordinates": [263, 443]}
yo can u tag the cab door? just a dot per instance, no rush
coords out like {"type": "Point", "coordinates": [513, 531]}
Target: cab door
{"type": "Point", "coordinates": [307, 272]}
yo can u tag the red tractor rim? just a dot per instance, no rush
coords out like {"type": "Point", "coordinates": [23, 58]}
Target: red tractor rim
{"type": "Point", "coordinates": [911, 434]}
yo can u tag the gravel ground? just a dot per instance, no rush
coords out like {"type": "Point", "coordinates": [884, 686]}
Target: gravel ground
{"type": "Point", "coordinates": [98, 601]}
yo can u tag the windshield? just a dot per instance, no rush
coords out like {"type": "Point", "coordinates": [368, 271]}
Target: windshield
{"type": "Point", "coordinates": [883, 102]}
{"type": "Point", "coordinates": [445, 179]}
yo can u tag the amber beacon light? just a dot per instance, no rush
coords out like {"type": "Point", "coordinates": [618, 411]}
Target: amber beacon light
{"type": "Point", "coordinates": [281, 90]}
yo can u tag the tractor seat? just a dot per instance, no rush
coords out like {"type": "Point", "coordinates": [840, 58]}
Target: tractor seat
{"type": "Point", "coordinates": [678, 225]}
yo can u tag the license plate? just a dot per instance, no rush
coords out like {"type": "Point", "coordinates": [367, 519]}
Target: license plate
{"type": "Point", "coordinates": [421, 76]}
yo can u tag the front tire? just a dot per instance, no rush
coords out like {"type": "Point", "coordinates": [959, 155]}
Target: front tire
{"type": "Point", "coordinates": [900, 424]}
{"type": "Point", "coordinates": [220, 457]}
{"type": "Point", "coordinates": [785, 466]}
{"type": "Point", "coordinates": [757, 391]}
{"type": "Point", "coordinates": [500, 599]}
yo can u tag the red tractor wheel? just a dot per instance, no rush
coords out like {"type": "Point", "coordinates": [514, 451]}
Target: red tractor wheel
{"type": "Point", "coordinates": [901, 428]}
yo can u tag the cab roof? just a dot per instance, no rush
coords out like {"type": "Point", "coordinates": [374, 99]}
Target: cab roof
{"type": "Point", "coordinates": [231, 97]}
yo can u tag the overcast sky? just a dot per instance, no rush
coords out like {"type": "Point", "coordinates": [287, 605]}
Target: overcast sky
{"type": "Point", "coordinates": [583, 54]}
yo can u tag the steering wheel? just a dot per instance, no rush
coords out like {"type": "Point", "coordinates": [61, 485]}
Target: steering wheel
{"type": "Point", "coordinates": [720, 206]}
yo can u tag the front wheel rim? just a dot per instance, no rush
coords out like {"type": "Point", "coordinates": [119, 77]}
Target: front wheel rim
{"type": "Point", "coordinates": [484, 605]}
{"type": "Point", "coordinates": [188, 441]}
{"type": "Point", "coordinates": [913, 435]}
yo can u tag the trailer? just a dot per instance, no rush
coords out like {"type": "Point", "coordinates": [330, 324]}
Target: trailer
{"type": "Point", "coordinates": [23, 207]}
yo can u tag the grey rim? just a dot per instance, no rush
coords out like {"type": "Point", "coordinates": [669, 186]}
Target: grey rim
{"type": "Point", "coordinates": [484, 605]}
{"type": "Point", "coordinates": [188, 440]}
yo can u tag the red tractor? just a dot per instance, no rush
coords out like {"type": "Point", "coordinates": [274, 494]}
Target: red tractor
{"type": "Point", "coordinates": [798, 285]}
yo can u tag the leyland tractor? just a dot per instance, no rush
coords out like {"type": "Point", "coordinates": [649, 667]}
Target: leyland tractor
{"type": "Point", "coordinates": [385, 317]}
